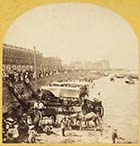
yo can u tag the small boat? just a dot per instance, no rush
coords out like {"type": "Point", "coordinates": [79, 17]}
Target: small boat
{"type": "Point", "coordinates": [133, 76]}
{"type": "Point", "coordinates": [119, 76]}
{"type": "Point", "coordinates": [106, 74]}
{"type": "Point", "coordinates": [130, 81]}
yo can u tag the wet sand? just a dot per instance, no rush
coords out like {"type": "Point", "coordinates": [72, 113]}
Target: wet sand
{"type": "Point", "coordinates": [120, 101]}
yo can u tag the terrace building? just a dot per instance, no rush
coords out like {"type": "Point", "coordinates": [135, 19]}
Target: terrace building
{"type": "Point", "coordinates": [18, 58]}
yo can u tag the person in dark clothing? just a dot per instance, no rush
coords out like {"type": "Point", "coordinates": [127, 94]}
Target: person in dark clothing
{"type": "Point", "coordinates": [63, 126]}
{"type": "Point", "coordinates": [4, 125]}
{"type": "Point", "coordinates": [10, 138]}
{"type": "Point", "coordinates": [114, 136]}
{"type": "Point", "coordinates": [23, 130]}
{"type": "Point", "coordinates": [85, 108]}
{"type": "Point", "coordinates": [37, 118]}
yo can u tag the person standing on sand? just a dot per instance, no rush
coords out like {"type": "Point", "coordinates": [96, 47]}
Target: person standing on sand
{"type": "Point", "coordinates": [99, 94]}
{"type": "Point", "coordinates": [63, 125]}
{"type": "Point", "coordinates": [114, 136]}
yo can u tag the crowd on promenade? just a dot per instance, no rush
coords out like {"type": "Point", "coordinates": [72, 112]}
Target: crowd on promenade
{"type": "Point", "coordinates": [19, 76]}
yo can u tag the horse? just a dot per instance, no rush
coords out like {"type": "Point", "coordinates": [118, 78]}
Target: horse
{"type": "Point", "coordinates": [79, 117]}
{"type": "Point", "coordinates": [92, 117]}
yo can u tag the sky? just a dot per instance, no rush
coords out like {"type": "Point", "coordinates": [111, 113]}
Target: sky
{"type": "Point", "coordinates": [76, 31]}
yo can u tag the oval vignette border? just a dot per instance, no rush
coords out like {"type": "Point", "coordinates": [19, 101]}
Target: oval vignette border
{"type": "Point", "coordinates": [11, 9]}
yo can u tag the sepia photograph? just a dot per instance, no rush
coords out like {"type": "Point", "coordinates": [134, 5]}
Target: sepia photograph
{"type": "Point", "coordinates": [70, 76]}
